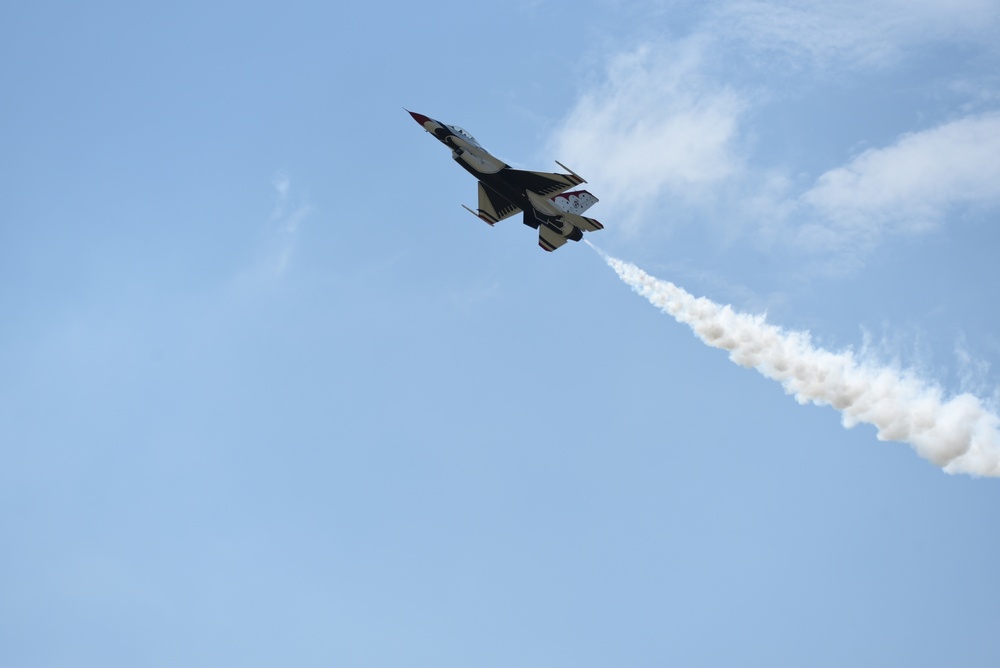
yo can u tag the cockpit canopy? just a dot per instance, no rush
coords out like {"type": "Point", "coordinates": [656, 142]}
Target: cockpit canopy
{"type": "Point", "coordinates": [464, 135]}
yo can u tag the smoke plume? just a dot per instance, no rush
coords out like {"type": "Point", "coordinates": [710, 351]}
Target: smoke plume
{"type": "Point", "coordinates": [958, 434]}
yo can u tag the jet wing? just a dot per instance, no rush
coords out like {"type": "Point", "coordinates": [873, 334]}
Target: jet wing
{"type": "Point", "coordinates": [494, 207]}
{"type": "Point", "coordinates": [543, 183]}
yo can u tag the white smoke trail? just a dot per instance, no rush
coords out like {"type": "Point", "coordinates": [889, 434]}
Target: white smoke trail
{"type": "Point", "coordinates": [959, 434]}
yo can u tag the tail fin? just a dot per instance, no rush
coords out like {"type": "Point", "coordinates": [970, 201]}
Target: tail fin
{"type": "Point", "coordinates": [576, 201]}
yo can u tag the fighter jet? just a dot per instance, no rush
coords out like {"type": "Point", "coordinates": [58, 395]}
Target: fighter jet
{"type": "Point", "coordinates": [504, 191]}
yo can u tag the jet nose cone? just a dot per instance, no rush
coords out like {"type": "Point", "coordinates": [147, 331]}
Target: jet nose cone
{"type": "Point", "coordinates": [419, 118]}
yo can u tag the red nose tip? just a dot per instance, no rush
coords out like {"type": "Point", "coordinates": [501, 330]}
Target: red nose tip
{"type": "Point", "coordinates": [419, 118]}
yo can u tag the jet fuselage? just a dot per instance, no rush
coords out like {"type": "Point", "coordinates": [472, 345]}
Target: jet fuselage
{"type": "Point", "coordinates": [483, 165]}
{"type": "Point", "coordinates": [505, 191]}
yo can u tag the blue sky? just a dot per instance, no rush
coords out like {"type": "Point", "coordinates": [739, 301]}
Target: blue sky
{"type": "Point", "coordinates": [269, 395]}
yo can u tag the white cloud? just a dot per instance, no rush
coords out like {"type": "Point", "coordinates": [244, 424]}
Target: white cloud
{"type": "Point", "coordinates": [973, 372]}
{"type": "Point", "coordinates": [288, 218]}
{"type": "Point", "coordinates": [670, 124]}
{"type": "Point", "coordinates": [907, 187]}
{"type": "Point", "coordinates": [654, 123]}
{"type": "Point", "coordinates": [861, 33]}
{"type": "Point", "coordinates": [282, 184]}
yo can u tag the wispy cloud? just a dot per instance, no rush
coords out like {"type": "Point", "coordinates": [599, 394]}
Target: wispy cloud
{"type": "Point", "coordinates": [917, 184]}
{"type": "Point", "coordinates": [667, 121]}
{"type": "Point", "coordinates": [906, 187]}
{"type": "Point", "coordinates": [854, 33]}
{"type": "Point", "coordinates": [653, 123]}
{"type": "Point", "coordinates": [287, 216]}
{"type": "Point", "coordinates": [470, 296]}
{"type": "Point", "coordinates": [974, 372]}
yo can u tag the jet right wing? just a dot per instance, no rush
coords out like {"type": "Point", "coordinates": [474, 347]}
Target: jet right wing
{"type": "Point", "coordinates": [543, 183]}
{"type": "Point", "coordinates": [494, 207]}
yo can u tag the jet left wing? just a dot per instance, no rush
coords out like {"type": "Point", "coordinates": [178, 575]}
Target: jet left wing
{"type": "Point", "coordinates": [494, 207]}
{"type": "Point", "coordinates": [543, 183]}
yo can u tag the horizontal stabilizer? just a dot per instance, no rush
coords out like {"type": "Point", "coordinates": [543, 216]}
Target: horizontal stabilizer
{"type": "Point", "coordinates": [549, 239]}
{"type": "Point", "coordinates": [584, 223]}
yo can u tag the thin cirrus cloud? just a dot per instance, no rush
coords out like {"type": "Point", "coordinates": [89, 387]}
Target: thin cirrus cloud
{"type": "Point", "coordinates": [907, 187]}
{"type": "Point", "coordinates": [288, 217]}
{"type": "Point", "coordinates": [654, 123]}
{"type": "Point", "coordinates": [855, 33]}
{"type": "Point", "coordinates": [676, 120]}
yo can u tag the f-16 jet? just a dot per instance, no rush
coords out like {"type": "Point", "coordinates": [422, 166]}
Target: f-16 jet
{"type": "Point", "coordinates": [542, 197]}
